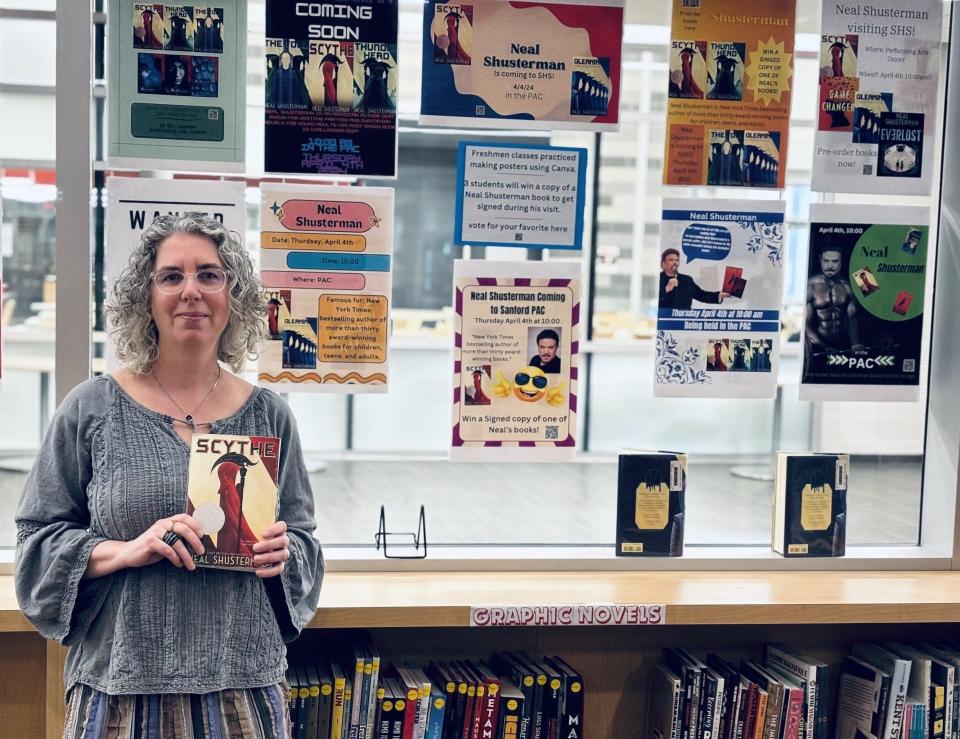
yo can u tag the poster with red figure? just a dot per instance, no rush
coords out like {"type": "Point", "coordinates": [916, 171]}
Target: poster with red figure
{"type": "Point", "coordinates": [232, 494]}
{"type": "Point", "coordinates": [529, 65]}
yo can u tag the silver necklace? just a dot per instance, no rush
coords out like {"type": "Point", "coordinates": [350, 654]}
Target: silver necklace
{"type": "Point", "coordinates": [188, 417]}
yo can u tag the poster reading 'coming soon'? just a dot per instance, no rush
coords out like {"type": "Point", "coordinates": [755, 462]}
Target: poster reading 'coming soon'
{"type": "Point", "coordinates": [331, 88]}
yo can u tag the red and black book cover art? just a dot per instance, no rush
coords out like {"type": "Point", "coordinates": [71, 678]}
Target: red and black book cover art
{"type": "Point", "coordinates": [733, 282]}
{"type": "Point", "coordinates": [232, 493]}
{"type": "Point", "coordinates": [902, 304]}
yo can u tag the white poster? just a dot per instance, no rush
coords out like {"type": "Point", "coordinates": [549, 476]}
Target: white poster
{"type": "Point", "coordinates": [515, 360]}
{"type": "Point", "coordinates": [718, 317]}
{"type": "Point", "coordinates": [326, 259]}
{"type": "Point", "coordinates": [877, 104]}
{"type": "Point", "coordinates": [133, 203]}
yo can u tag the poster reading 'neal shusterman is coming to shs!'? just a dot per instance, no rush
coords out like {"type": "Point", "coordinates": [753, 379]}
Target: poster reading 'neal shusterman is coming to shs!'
{"type": "Point", "coordinates": [501, 64]}
{"type": "Point", "coordinates": [728, 109]}
{"type": "Point", "coordinates": [515, 377]}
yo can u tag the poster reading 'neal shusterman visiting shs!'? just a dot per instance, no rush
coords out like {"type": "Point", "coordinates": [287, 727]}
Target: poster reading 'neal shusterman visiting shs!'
{"type": "Point", "coordinates": [501, 64]}
{"type": "Point", "coordinates": [878, 96]}
{"type": "Point", "coordinates": [728, 107]}
{"type": "Point", "coordinates": [325, 261]}
{"type": "Point", "coordinates": [515, 376]}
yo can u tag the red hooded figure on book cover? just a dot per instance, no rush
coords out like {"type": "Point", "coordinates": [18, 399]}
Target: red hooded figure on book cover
{"type": "Point", "coordinates": [232, 493]}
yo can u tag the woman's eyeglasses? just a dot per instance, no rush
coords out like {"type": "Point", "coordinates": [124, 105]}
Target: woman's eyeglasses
{"type": "Point", "coordinates": [209, 279]}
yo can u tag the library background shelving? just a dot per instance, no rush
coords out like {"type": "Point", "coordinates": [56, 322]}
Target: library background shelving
{"type": "Point", "coordinates": [425, 615]}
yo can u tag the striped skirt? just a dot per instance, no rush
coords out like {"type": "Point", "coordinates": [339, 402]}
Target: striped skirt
{"type": "Point", "coordinates": [249, 713]}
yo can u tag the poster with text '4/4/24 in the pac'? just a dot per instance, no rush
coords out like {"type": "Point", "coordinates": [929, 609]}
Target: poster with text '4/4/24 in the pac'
{"type": "Point", "coordinates": [325, 261]}
{"type": "Point", "coordinates": [877, 105]}
{"type": "Point", "coordinates": [516, 347]}
{"type": "Point", "coordinates": [177, 85]}
{"type": "Point", "coordinates": [866, 285]}
{"type": "Point", "coordinates": [501, 64]}
{"type": "Point", "coordinates": [331, 88]}
{"type": "Point", "coordinates": [728, 107]}
{"type": "Point", "coordinates": [718, 312]}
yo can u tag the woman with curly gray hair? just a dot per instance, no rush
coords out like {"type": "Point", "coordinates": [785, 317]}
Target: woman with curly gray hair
{"type": "Point", "coordinates": [104, 561]}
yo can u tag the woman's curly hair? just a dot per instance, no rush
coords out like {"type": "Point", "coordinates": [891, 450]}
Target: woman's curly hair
{"type": "Point", "coordinates": [131, 323]}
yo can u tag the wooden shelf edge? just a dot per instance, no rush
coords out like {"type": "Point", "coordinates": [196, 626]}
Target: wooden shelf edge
{"type": "Point", "coordinates": [432, 600]}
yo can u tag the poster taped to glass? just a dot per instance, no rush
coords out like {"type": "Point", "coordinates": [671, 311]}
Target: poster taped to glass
{"type": "Point", "coordinates": [728, 95]}
{"type": "Point", "coordinates": [500, 64]}
{"type": "Point", "coordinates": [718, 307]}
{"type": "Point", "coordinates": [866, 289]}
{"type": "Point", "coordinates": [325, 260]}
{"type": "Point", "coordinates": [878, 97]}
{"type": "Point", "coordinates": [516, 351]}
{"type": "Point", "coordinates": [331, 88]}
{"type": "Point", "coordinates": [177, 83]}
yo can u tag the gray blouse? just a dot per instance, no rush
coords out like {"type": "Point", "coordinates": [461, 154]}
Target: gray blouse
{"type": "Point", "coordinates": [108, 469]}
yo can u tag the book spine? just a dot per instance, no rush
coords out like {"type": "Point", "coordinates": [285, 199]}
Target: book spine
{"type": "Point", "coordinates": [356, 694]}
{"type": "Point", "coordinates": [372, 691]}
{"type": "Point", "coordinates": [478, 700]}
{"type": "Point", "coordinates": [794, 714]}
{"type": "Point", "coordinates": [490, 711]}
{"type": "Point", "coordinates": [438, 706]}
{"type": "Point", "coordinates": [807, 678]}
{"type": "Point", "coordinates": [758, 727]}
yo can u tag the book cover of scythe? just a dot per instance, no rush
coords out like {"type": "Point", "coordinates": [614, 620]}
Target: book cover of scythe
{"type": "Point", "coordinates": [232, 493]}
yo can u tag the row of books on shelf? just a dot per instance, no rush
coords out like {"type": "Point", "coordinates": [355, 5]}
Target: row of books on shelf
{"type": "Point", "coordinates": [809, 504]}
{"type": "Point", "coordinates": [885, 690]}
{"type": "Point", "coordinates": [509, 696]}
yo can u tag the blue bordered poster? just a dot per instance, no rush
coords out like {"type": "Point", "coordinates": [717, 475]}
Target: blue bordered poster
{"type": "Point", "coordinates": [520, 195]}
{"type": "Point", "coordinates": [718, 299]}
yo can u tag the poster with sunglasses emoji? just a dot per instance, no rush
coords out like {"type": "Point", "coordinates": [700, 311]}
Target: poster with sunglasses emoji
{"type": "Point", "coordinates": [515, 360]}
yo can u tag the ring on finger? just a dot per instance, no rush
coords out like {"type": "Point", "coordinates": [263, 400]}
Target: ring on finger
{"type": "Point", "coordinates": [171, 537]}
{"type": "Point", "coordinates": [173, 522]}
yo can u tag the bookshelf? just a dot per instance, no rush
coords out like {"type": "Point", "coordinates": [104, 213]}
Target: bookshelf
{"type": "Point", "coordinates": [427, 614]}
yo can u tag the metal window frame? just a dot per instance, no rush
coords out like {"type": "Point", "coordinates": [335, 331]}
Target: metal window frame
{"type": "Point", "coordinates": [939, 546]}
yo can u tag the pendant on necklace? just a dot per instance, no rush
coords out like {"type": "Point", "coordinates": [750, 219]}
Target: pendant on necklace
{"type": "Point", "coordinates": [189, 420]}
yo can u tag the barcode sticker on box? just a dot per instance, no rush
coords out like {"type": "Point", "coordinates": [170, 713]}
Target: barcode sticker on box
{"type": "Point", "coordinates": [676, 475]}
{"type": "Point", "coordinates": [840, 483]}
